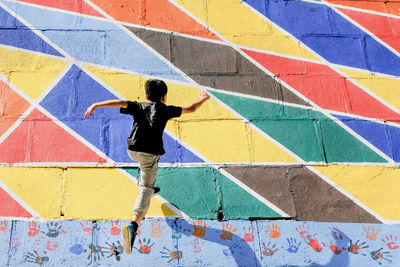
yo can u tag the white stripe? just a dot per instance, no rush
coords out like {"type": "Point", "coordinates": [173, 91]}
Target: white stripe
{"type": "Point", "coordinates": [351, 197]}
{"type": "Point", "coordinates": [254, 194]}
{"type": "Point", "coordinates": [20, 201]}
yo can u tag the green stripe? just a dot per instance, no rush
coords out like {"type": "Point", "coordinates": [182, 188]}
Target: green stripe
{"type": "Point", "coordinates": [309, 134]}
{"type": "Point", "coordinates": [201, 192]}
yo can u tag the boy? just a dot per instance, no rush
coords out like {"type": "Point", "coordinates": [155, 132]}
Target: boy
{"type": "Point", "coordinates": [145, 143]}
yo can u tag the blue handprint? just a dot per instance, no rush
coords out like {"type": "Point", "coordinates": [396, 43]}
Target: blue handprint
{"type": "Point", "coordinates": [293, 246]}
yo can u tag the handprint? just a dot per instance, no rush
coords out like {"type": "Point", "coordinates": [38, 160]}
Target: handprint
{"type": "Point", "coordinates": [3, 226]}
{"type": "Point", "coordinates": [274, 231]}
{"type": "Point", "coordinates": [197, 245]}
{"type": "Point", "coordinates": [313, 243]}
{"type": "Point", "coordinates": [303, 231]}
{"type": "Point", "coordinates": [115, 229]}
{"type": "Point", "coordinates": [356, 247]}
{"type": "Point", "coordinates": [378, 256]}
{"type": "Point", "coordinates": [53, 229]}
{"type": "Point", "coordinates": [227, 234]}
{"type": "Point", "coordinates": [33, 229]}
{"type": "Point", "coordinates": [248, 236]}
{"type": "Point", "coordinates": [293, 246]}
{"type": "Point", "coordinates": [336, 244]}
{"type": "Point", "coordinates": [156, 230]}
{"type": "Point", "coordinates": [391, 243]}
{"type": "Point", "coordinates": [87, 229]}
{"type": "Point", "coordinates": [269, 251]}
{"type": "Point", "coordinates": [145, 247]}
{"type": "Point", "coordinates": [370, 234]}
{"type": "Point", "coordinates": [198, 229]}
{"type": "Point", "coordinates": [51, 245]}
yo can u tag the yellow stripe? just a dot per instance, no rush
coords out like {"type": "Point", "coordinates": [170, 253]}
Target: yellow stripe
{"type": "Point", "coordinates": [89, 194]}
{"type": "Point", "coordinates": [386, 88]}
{"type": "Point", "coordinates": [212, 130]}
{"type": "Point", "coordinates": [241, 26]}
{"type": "Point", "coordinates": [376, 187]}
{"type": "Point", "coordinates": [30, 73]}
{"type": "Point", "coordinates": [100, 193]}
{"type": "Point", "coordinates": [40, 188]}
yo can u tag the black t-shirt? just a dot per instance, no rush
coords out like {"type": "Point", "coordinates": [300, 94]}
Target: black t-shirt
{"type": "Point", "coordinates": [150, 119]}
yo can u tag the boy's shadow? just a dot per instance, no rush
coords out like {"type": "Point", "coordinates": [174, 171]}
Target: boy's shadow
{"type": "Point", "coordinates": [238, 248]}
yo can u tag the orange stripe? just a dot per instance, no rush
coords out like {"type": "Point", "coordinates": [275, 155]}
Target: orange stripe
{"type": "Point", "coordinates": [159, 14]}
{"type": "Point", "coordinates": [387, 7]}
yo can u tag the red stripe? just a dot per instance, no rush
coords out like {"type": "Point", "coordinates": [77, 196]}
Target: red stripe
{"type": "Point", "coordinates": [10, 207]}
{"type": "Point", "coordinates": [385, 28]}
{"type": "Point", "coordinates": [78, 6]}
{"type": "Point", "coordinates": [39, 139]}
{"type": "Point", "coordinates": [383, 6]}
{"type": "Point", "coordinates": [160, 14]}
{"type": "Point", "coordinates": [325, 87]}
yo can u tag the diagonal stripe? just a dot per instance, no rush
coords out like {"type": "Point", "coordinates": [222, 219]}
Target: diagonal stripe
{"type": "Point", "coordinates": [217, 66]}
{"type": "Point", "coordinates": [385, 28]}
{"type": "Point", "coordinates": [14, 33]}
{"type": "Point", "coordinates": [39, 139]}
{"type": "Point", "coordinates": [12, 106]}
{"type": "Point", "coordinates": [374, 186]}
{"type": "Point", "coordinates": [241, 26]}
{"type": "Point", "coordinates": [33, 186]}
{"type": "Point", "coordinates": [343, 44]}
{"type": "Point", "coordinates": [300, 193]}
{"type": "Point", "coordinates": [388, 7]}
{"type": "Point", "coordinates": [382, 136]}
{"type": "Point", "coordinates": [109, 45]}
{"type": "Point", "coordinates": [385, 87]}
{"type": "Point", "coordinates": [159, 14]}
{"type": "Point", "coordinates": [94, 193]}
{"type": "Point", "coordinates": [309, 134]}
{"type": "Point", "coordinates": [205, 130]}
{"type": "Point", "coordinates": [30, 73]}
{"type": "Point", "coordinates": [325, 87]}
{"type": "Point", "coordinates": [78, 6]}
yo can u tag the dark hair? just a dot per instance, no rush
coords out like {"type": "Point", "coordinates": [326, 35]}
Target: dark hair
{"type": "Point", "coordinates": [155, 90]}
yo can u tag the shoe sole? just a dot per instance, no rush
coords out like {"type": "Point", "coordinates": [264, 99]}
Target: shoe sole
{"type": "Point", "coordinates": [127, 239]}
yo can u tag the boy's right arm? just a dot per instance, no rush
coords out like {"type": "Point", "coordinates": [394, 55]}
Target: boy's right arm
{"type": "Point", "coordinates": [107, 103]}
{"type": "Point", "coordinates": [203, 97]}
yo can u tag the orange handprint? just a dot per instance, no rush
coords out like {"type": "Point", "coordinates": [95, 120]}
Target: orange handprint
{"type": "Point", "coordinates": [156, 230]}
{"type": "Point", "coordinates": [88, 229]}
{"type": "Point", "coordinates": [115, 229]}
{"type": "Point", "coordinates": [275, 231]}
{"type": "Point", "coordinates": [248, 236]}
{"type": "Point", "coordinates": [369, 233]}
{"type": "Point", "coordinates": [227, 234]}
{"type": "Point", "coordinates": [198, 229]}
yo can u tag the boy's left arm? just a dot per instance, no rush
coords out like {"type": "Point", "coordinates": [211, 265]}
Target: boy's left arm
{"type": "Point", "coordinates": [103, 104]}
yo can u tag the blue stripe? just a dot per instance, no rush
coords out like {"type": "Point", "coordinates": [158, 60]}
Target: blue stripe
{"type": "Point", "coordinates": [14, 33]}
{"type": "Point", "coordinates": [384, 137]}
{"type": "Point", "coordinates": [329, 34]}
{"type": "Point", "coordinates": [95, 41]}
{"type": "Point", "coordinates": [107, 129]}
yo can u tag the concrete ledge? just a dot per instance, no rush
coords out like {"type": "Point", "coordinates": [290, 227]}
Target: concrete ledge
{"type": "Point", "coordinates": [199, 243]}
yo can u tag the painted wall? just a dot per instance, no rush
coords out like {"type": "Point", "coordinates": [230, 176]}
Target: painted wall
{"type": "Point", "coordinates": [302, 124]}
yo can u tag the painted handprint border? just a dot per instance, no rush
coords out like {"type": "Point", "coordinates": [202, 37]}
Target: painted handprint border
{"type": "Point", "coordinates": [200, 243]}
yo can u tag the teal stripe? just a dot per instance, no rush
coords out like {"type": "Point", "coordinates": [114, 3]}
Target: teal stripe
{"type": "Point", "coordinates": [202, 192]}
{"type": "Point", "coordinates": [309, 134]}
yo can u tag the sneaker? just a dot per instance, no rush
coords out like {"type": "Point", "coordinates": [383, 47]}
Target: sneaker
{"type": "Point", "coordinates": [156, 191]}
{"type": "Point", "coordinates": [129, 234]}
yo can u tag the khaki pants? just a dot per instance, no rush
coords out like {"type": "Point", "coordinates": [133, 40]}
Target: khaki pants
{"type": "Point", "coordinates": [148, 170]}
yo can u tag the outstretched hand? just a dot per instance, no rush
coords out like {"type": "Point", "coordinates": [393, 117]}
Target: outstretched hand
{"type": "Point", "coordinates": [204, 96]}
{"type": "Point", "coordinates": [89, 111]}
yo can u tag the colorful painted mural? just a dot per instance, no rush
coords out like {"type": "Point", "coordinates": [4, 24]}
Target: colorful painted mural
{"type": "Point", "coordinates": [303, 125]}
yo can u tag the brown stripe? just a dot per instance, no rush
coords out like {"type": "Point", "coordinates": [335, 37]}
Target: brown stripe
{"type": "Point", "coordinates": [217, 66]}
{"type": "Point", "coordinates": [301, 194]}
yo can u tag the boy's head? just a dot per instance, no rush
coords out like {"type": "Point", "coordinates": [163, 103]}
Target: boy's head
{"type": "Point", "coordinates": [155, 90]}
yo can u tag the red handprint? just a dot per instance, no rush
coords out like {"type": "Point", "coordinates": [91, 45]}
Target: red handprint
{"type": "Point", "coordinates": [391, 243]}
{"type": "Point", "coordinates": [313, 243]}
{"type": "Point", "coordinates": [248, 236]}
{"type": "Point", "coordinates": [115, 229]}
{"type": "Point", "coordinates": [303, 231]}
{"type": "Point", "coordinates": [33, 229]}
{"type": "Point", "coordinates": [3, 226]}
{"type": "Point", "coordinates": [87, 229]}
